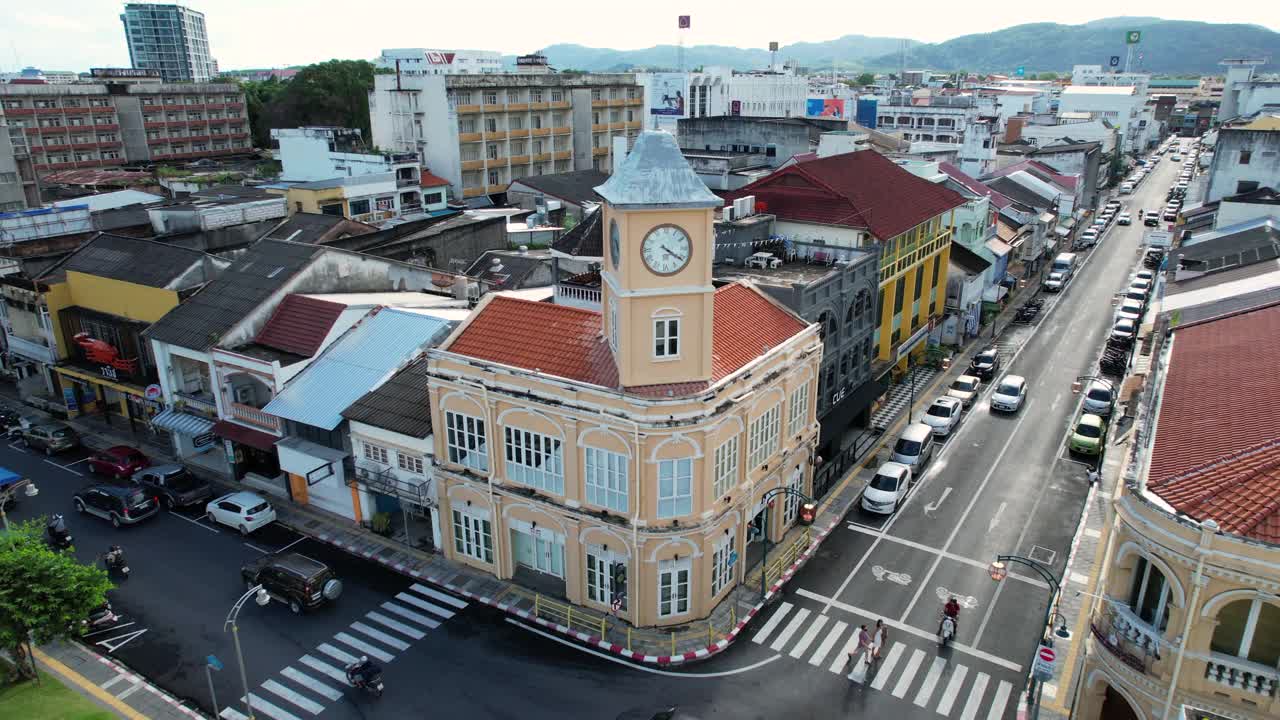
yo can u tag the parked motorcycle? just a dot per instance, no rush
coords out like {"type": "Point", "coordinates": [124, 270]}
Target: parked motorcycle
{"type": "Point", "coordinates": [115, 561]}
{"type": "Point", "coordinates": [57, 534]}
{"type": "Point", "coordinates": [100, 617]}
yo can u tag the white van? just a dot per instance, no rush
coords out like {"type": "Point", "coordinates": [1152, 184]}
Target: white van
{"type": "Point", "coordinates": [914, 447]}
{"type": "Point", "coordinates": [1065, 263]}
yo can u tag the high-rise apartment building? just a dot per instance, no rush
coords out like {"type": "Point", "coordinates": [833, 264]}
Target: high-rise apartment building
{"type": "Point", "coordinates": [171, 39]}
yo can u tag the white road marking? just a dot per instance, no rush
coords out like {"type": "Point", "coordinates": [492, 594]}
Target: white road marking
{"type": "Point", "coordinates": [975, 696]}
{"type": "Point", "coordinates": [1079, 578]}
{"type": "Point", "coordinates": [825, 646]}
{"type": "Point", "coordinates": [324, 668]}
{"type": "Point", "coordinates": [930, 682]}
{"type": "Point", "coordinates": [294, 697]}
{"type": "Point", "coordinates": [841, 660]}
{"type": "Point", "coordinates": [982, 564]}
{"type": "Point", "coordinates": [364, 647]}
{"type": "Point", "coordinates": [952, 691]}
{"type": "Point", "coordinates": [763, 633]}
{"type": "Point", "coordinates": [881, 574]}
{"type": "Point", "coordinates": [270, 710]}
{"type": "Point", "coordinates": [113, 681]}
{"type": "Point", "coordinates": [76, 462]}
{"type": "Point", "coordinates": [807, 639]}
{"type": "Point", "coordinates": [422, 620]}
{"type": "Point", "coordinates": [64, 467]}
{"type": "Point", "coordinates": [929, 635]}
{"type": "Point", "coordinates": [255, 547]}
{"type": "Point", "coordinates": [931, 508]}
{"type": "Point", "coordinates": [135, 687]}
{"type": "Point", "coordinates": [1001, 699]}
{"type": "Point", "coordinates": [908, 674]}
{"type": "Point", "coordinates": [295, 542]}
{"type": "Point", "coordinates": [645, 668]}
{"type": "Point", "coordinates": [419, 602]}
{"type": "Point", "coordinates": [115, 643]}
{"type": "Point", "coordinates": [995, 517]}
{"type": "Point", "coordinates": [395, 625]}
{"type": "Point", "coordinates": [311, 683]}
{"type": "Point", "coordinates": [195, 522]}
{"type": "Point", "coordinates": [230, 713]}
{"type": "Point", "coordinates": [446, 599]}
{"type": "Point", "coordinates": [15, 445]}
{"type": "Point", "coordinates": [380, 636]}
{"type": "Point", "coordinates": [1093, 533]}
{"type": "Point", "coordinates": [884, 671]}
{"type": "Point", "coordinates": [336, 654]}
{"type": "Point", "coordinates": [110, 629]}
{"type": "Point", "coordinates": [791, 628]}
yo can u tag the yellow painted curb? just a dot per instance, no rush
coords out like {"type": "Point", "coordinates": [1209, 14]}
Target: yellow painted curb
{"type": "Point", "coordinates": [87, 686]}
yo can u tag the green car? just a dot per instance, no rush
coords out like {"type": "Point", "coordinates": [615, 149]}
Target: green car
{"type": "Point", "coordinates": [1089, 434]}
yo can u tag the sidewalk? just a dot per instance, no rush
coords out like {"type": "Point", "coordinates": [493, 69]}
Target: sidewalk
{"type": "Point", "coordinates": [691, 642]}
{"type": "Point", "coordinates": [126, 694]}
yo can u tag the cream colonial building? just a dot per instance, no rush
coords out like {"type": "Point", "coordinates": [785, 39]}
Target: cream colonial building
{"type": "Point", "coordinates": [1191, 614]}
{"type": "Point", "coordinates": [578, 449]}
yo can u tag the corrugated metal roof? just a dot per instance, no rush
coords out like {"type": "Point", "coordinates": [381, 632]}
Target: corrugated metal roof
{"type": "Point", "coordinates": [354, 364]}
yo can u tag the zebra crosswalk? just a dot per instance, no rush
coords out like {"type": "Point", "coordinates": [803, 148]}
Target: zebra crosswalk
{"type": "Point", "coordinates": [915, 674]}
{"type": "Point", "coordinates": [320, 677]}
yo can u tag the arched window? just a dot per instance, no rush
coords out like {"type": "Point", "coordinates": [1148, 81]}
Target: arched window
{"type": "Point", "coordinates": [1249, 630]}
{"type": "Point", "coordinates": [824, 322]}
{"type": "Point", "coordinates": [1149, 596]}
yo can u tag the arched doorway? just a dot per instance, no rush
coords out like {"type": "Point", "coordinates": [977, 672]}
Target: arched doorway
{"type": "Point", "coordinates": [1115, 707]}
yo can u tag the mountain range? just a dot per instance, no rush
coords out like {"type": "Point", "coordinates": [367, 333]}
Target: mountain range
{"type": "Point", "coordinates": [1167, 47]}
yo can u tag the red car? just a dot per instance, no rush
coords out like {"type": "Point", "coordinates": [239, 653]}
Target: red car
{"type": "Point", "coordinates": [120, 461]}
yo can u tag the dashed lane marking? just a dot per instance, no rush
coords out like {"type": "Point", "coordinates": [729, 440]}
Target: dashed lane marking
{"type": "Point", "coordinates": [195, 522]}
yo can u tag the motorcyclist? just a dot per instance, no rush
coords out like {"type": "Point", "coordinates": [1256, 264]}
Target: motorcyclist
{"type": "Point", "coordinates": [114, 557]}
{"type": "Point", "coordinates": [951, 610]}
{"type": "Point", "coordinates": [57, 529]}
{"type": "Point", "coordinates": [362, 671]}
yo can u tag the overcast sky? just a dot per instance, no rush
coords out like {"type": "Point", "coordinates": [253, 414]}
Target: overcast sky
{"type": "Point", "coordinates": [78, 34]}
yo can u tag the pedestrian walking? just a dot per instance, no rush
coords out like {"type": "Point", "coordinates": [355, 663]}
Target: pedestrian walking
{"type": "Point", "coordinates": [858, 653]}
{"type": "Point", "coordinates": [1094, 476]}
{"type": "Point", "coordinates": [879, 638]}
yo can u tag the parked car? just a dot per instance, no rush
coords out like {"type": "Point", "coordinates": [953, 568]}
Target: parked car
{"type": "Point", "coordinates": [985, 364]}
{"type": "Point", "coordinates": [1089, 434]}
{"type": "Point", "coordinates": [1098, 399]}
{"type": "Point", "coordinates": [174, 485]}
{"type": "Point", "coordinates": [1124, 331]}
{"type": "Point", "coordinates": [1130, 310]}
{"type": "Point", "coordinates": [1144, 274]}
{"type": "Point", "coordinates": [914, 447]}
{"type": "Point", "coordinates": [1124, 219]}
{"type": "Point", "coordinates": [943, 415]}
{"type": "Point", "coordinates": [1140, 284]}
{"type": "Point", "coordinates": [1152, 218]}
{"type": "Point", "coordinates": [887, 489]}
{"type": "Point", "coordinates": [50, 437]}
{"type": "Point", "coordinates": [1088, 238]}
{"type": "Point", "coordinates": [1055, 282]}
{"type": "Point", "coordinates": [1009, 393]}
{"type": "Point", "coordinates": [964, 389]}
{"type": "Point", "coordinates": [120, 461]}
{"type": "Point", "coordinates": [120, 505]}
{"type": "Point", "coordinates": [1134, 293]}
{"type": "Point", "coordinates": [244, 511]}
{"type": "Point", "coordinates": [293, 579]}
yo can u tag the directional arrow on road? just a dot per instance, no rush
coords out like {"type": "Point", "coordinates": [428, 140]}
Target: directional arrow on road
{"type": "Point", "coordinates": [995, 519]}
{"type": "Point", "coordinates": [930, 508]}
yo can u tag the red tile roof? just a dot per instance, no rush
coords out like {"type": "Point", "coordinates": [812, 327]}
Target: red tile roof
{"type": "Point", "coordinates": [998, 200]}
{"type": "Point", "coordinates": [567, 342]}
{"type": "Point", "coordinates": [300, 324]}
{"type": "Point", "coordinates": [1217, 446]}
{"type": "Point", "coordinates": [427, 180]}
{"type": "Point", "coordinates": [859, 189]}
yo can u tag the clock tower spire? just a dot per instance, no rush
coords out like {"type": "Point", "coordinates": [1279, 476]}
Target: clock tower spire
{"type": "Point", "coordinates": [659, 244]}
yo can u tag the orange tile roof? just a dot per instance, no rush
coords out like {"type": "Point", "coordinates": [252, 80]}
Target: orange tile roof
{"type": "Point", "coordinates": [567, 342]}
{"type": "Point", "coordinates": [1217, 446]}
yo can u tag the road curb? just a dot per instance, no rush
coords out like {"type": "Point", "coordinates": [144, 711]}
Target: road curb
{"type": "Point", "coordinates": [95, 691]}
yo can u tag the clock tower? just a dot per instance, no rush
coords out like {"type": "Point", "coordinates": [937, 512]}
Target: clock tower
{"type": "Point", "coordinates": [657, 292]}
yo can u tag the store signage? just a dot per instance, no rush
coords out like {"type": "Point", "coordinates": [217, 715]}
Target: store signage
{"type": "Point", "coordinates": [109, 372]}
{"type": "Point", "coordinates": [69, 399]}
{"type": "Point", "coordinates": [153, 392]}
{"type": "Point", "coordinates": [104, 353]}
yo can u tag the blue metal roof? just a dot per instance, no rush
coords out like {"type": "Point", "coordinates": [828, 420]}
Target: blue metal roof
{"type": "Point", "coordinates": [356, 363]}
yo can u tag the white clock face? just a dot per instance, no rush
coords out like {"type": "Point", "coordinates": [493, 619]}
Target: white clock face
{"type": "Point", "coordinates": [666, 250]}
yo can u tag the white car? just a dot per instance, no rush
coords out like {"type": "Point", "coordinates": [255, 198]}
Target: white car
{"type": "Point", "coordinates": [1140, 284]}
{"type": "Point", "coordinates": [244, 511]}
{"type": "Point", "coordinates": [1147, 275]}
{"type": "Point", "coordinates": [1124, 330]}
{"type": "Point", "coordinates": [887, 489]}
{"type": "Point", "coordinates": [1089, 237]}
{"type": "Point", "coordinates": [1129, 310]}
{"type": "Point", "coordinates": [1098, 399]}
{"type": "Point", "coordinates": [943, 415]}
{"type": "Point", "coordinates": [965, 389]}
{"type": "Point", "coordinates": [1009, 394]}
{"type": "Point", "coordinates": [1055, 281]}
{"type": "Point", "coordinates": [1124, 219]}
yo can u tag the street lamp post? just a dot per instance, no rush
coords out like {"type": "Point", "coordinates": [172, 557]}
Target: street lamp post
{"type": "Point", "coordinates": [808, 509]}
{"type": "Point", "coordinates": [8, 493]}
{"type": "Point", "coordinates": [261, 597]}
{"type": "Point", "coordinates": [999, 570]}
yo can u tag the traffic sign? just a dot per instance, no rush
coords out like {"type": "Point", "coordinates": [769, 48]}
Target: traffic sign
{"type": "Point", "coordinates": [213, 662]}
{"type": "Point", "coordinates": [733, 558]}
{"type": "Point", "coordinates": [1045, 661]}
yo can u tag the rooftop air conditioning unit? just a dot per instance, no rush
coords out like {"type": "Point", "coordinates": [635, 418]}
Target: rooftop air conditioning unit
{"type": "Point", "coordinates": [727, 213]}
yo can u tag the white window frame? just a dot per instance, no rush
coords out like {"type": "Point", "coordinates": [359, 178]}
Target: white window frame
{"type": "Point", "coordinates": [606, 478]}
{"type": "Point", "coordinates": [675, 578]}
{"type": "Point", "coordinates": [599, 577]}
{"type": "Point", "coordinates": [373, 452]}
{"type": "Point", "coordinates": [764, 436]}
{"type": "Point", "coordinates": [409, 463]}
{"type": "Point", "coordinates": [1162, 605]}
{"type": "Point", "coordinates": [726, 466]}
{"type": "Point", "coordinates": [1250, 629]}
{"type": "Point", "coordinates": [473, 535]}
{"type": "Point", "coordinates": [666, 332]}
{"type": "Point", "coordinates": [673, 499]}
{"type": "Point", "coordinates": [791, 500]}
{"type": "Point", "coordinates": [465, 441]}
{"type": "Point", "coordinates": [534, 459]}
{"type": "Point", "coordinates": [613, 324]}
{"type": "Point", "coordinates": [721, 569]}
{"type": "Point", "coordinates": [798, 410]}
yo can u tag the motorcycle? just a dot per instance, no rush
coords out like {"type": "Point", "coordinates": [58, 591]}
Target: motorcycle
{"type": "Point", "coordinates": [100, 617]}
{"type": "Point", "coordinates": [56, 531]}
{"type": "Point", "coordinates": [947, 630]}
{"type": "Point", "coordinates": [366, 676]}
{"type": "Point", "coordinates": [114, 560]}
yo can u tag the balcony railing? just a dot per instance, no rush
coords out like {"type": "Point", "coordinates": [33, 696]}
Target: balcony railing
{"type": "Point", "coordinates": [33, 349]}
{"type": "Point", "coordinates": [385, 481]}
{"type": "Point", "coordinates": [406, 181]}
{"type": "Point", "coordinates": [409, 208]}
{"type": "Point", "coordinates": [1130, 639]}
{"type": "Point", "coordinates": [254, 416]}
{"type": "Point", "coordinates": [579, 296]}
{"type": "Point", "coordinates": [201, 399]}
{"type": "Point", "coordinates": [1243, 675]}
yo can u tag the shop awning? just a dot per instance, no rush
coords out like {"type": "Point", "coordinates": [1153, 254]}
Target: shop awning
{"type": "Point", "coordinates": [994, 293]}
{"type": "Point", "coordinates": [99, 380]}
{"type": "Point", "coordinates": [182, 423]}
{"type": "Point", "coordinates": [243, 435]}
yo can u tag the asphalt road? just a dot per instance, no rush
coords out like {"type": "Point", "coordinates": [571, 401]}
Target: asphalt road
{"type": "Point", "coordinates": [1000, 484]}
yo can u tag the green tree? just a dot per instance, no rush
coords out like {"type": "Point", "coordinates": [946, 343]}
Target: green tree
{"type": "Point", "coordinates": [335, 92]}
{"type": "Point", "coordinates": [44, 594]}
{"type": "Point", "coordinates": [1047, 76]}
{"type": "Point", "coordinates": [866, 79]}
{"type": "Point", "coordinates": [260, 97]}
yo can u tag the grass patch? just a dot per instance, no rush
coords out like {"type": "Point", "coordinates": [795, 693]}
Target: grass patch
{"type": "Point", "coordinates": [50, 700]}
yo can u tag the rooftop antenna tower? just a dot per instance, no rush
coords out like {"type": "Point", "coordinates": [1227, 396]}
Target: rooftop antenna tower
{"type": "Point", "coordinates": [683, 25]}
{"type": "Point", "coordinates": [902, 63]}
{"type": "Point", "coordinates": [773, 55]}
{"type": "Point", "coordinates": [1131, 40]}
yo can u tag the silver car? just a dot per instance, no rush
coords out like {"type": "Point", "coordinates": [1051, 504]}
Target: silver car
{"type": "Point", "coordinates": [1009, 393]}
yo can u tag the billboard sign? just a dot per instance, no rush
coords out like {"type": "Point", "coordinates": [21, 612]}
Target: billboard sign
{"type": "Point", "coordinates": [773, 47]}
{"type": "Point", "coordinates": [1115, 61]}
{"type": "Point", "coordinates": [825, 107]}
{"type": "Point", "coordinates": [1021, 71]}
{"type": "Point", "coordinates": [1133, 37]}
{"type": "Point", "coordinates": [666, 94]}
{"type": "Point", "coordinates": [684, 22]}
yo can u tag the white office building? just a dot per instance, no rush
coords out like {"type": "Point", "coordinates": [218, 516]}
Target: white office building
{"type": "Point", "coordinates": [1096, 75]}
{"type": "Point", "coordinates": [722, 92]}
{"type": "Point", "coordinates": [1120, 105]}
{"type": "Point", "coordinates": [423, 61]}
